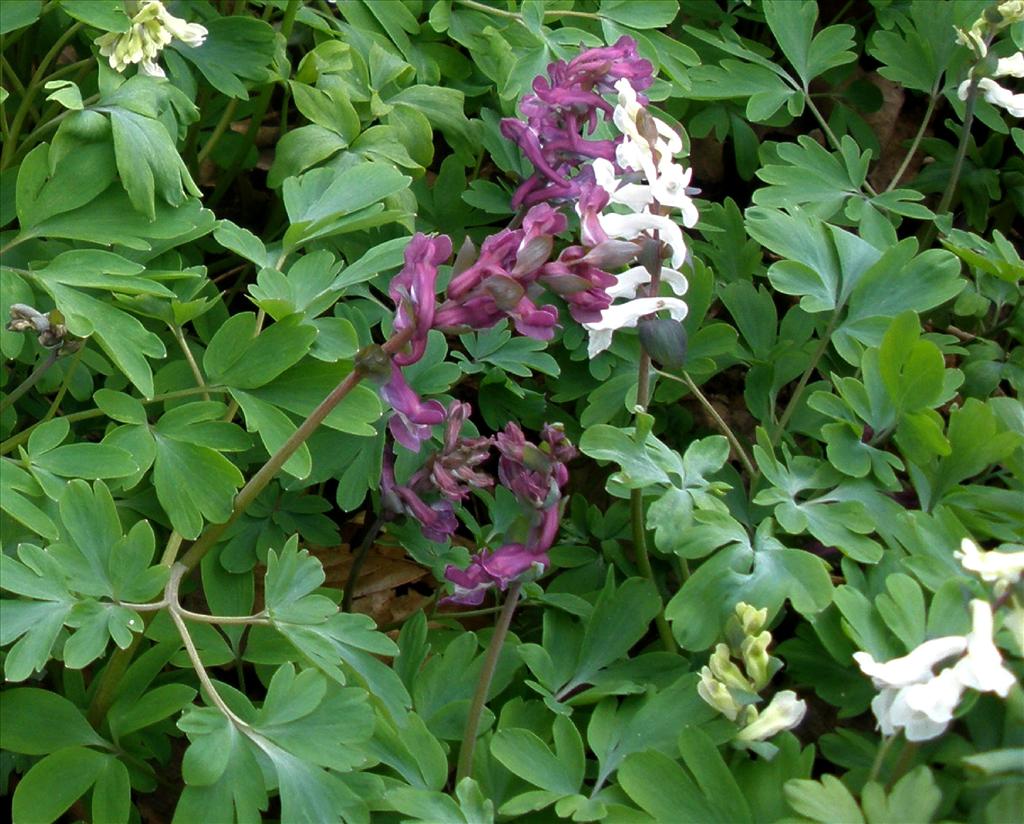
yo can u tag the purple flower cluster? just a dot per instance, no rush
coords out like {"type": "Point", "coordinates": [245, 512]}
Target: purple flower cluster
{"type": "Point", "coordinates": [562, 107]}
{"type": "Point", "coordinates": [536, 474]}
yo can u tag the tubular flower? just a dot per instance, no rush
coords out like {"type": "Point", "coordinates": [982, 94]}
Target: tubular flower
{"type": "Point", "coordinates": [413, 291]}
{"type": "Point", "coordinates": [412, 418]}
{"type": "Point", "coordinates": [535, 474]}
{"type": "Point", "coordinates": [453, 470]}
{"type": "Point", "coordinates": [784, 712]}
{"type": "Point", "coordinates": [437, 520]}
{"type": "Point", "coordinates": [497, 284]}
{"type": "Point", "coordinates": [152, 28]}
{"type": "Point", "coordinates": [564, 106]}
{"type": "Point", "coordinates": [913, 698]}
{"type": "Point", "coordinates": [1000, 568]}
{"type": "Point", "coordinates": [994, 93]}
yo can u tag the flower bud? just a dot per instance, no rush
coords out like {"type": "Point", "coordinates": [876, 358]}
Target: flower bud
{"type": "Point", "coordinates": [751, 620]}
{"type": "Point", "coordinates": [726, 671]}
{"type": "Point", "coordinates": [506, 292]}
{"type": "Point", "coordinates": [756, 660]}
{"type": "Point", "coordinates": [373, 360]}
{"type": "Point", "coordinates": [664, 339]}
{"type": "Point", "coordinates": [717, 695]}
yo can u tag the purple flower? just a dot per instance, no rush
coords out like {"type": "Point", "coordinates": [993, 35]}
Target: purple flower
{"type": "Point", "coordinates": [497, 284]}
{"type": "Point", "coordinates": [583, 284]}
{"type": "Point", "coordinates": [453, 470]}
{"type": "Point", "coordinates": [534, 473]}
{"type": "Point", "coordinates": [412, 418]}
{"type": "Point", "coordinates": [438, 519]}
{"type": "Point", "coordinates": [562, 107]}
{"type": "Point", "coordinates": [412, 290]}
{"type": "Point", "coordinates": [491, 569]}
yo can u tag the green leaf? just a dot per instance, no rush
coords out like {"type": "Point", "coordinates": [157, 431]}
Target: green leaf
{"type": "Point", "coordinates": [714, 778]}
{"type": "Point", "coordinates": [19, 14]}
{"type": "Point", "coordinates": [662, 788]}
{"type": "Point", "coordinates": [86, 460]}
{"type": "Point", "coordinates": [148, 161]}
{"type": "Point", "coordinates": [112, 796]}
{"type": "Point", "coordinates": [761, 572]}
{"type": "Point", "coordinates": [119, 406]}
{"type": "Point", "coordinates": [274, 428]}
{"type": "Point", "coordinates": [522, 752]}
{"type": "Point", "coordinates": [37, 722]}
{"type": "Point", "coordinates": [53, 784]}
{"type": "Point", "coordinates": [108, 15]}
{"type": "Point", "coordinates": [652, 14]}
{"type": "Point", "coordinates": [240, 358]}
{"type": "Point", "coordinates": [826, 800]}
{"type": "Point", "coordinates": [237, 48]}
{"type": "Point", "coordinates": [154, 705]}
{"type": "Point", "coordinates": [318, 201]}
{"type": "Point", "coordinates": [48, 186]}
{"type": "Point", "coordinates": [242, 242]}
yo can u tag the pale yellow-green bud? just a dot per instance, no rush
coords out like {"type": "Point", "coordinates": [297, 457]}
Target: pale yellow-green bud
{"type": "Point", "coordinates": [1012, 11]}
{"type": "Point", "coordinates": [153, 28]}
{"type": "Point", "coordinates": [726, 671]}
{"type": "Point", "coordinates": [752, 620]}
{"type": "Point", "coordinates": [756, 660]}
{"type": "Point", "coordinates": [717, 695]}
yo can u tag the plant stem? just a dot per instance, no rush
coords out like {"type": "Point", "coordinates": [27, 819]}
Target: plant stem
{"type": "Point", "coordinates": [931, 230]}
{"type": "Point", "coordinates": [30, 92]}
{"type": "Point", "coordinates": [218, 131]}
{"type": "Point", "coordinates": [174, 608]}
{"type": "Point", "coordinates": [932, 101]}
{"type": "Point", "coordinates": [31, 380]}
{"type": "Point", "coordinates": [357, 562]}
{"type": "Point", "coordinates": [179, 336]}
{"type": "Point", "coordinates": [643, 561]}
{"type": "Point", "coordinates": [883, 750]}
{"type": "Point", "coordinates": [725, 429]}
{"type": "Point", "coordinates": [269, 470]}
{"type": "Point", "coordinates": [794, 399]}
{"type": "Point", "coordinates": [483, 684]}
{"type": "Point", "coordinates": [68, 373]}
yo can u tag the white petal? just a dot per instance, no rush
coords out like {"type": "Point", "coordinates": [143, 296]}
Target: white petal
{"type": "Point", "coordinates": [628, 227]}
{"type": "Point", "coordinates": [994, 567]}
{"type": "Point", "coordinates": [936, 698]}
{"type": "Point", "coordinates": [151, 68]}
{"type": "Point", "coordinates": [1012, 66]}
{"type": "Point", "coordinates": [914, 668]}
{"type": "Point", "coordinates": [627, 283]}
{"type": "Point", "coordinates": [625, 315]}
{"type": "Point", "coordinates": [982, 668]}
{"type": "Point", "coordinates": [600, 339]}
{"type": "Point", "coordinates": [998, 96]}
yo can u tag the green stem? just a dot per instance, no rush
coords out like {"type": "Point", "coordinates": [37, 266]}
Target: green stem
{"type": "Point", "coordinates": [218, 131]}
{"type": "Point", "coordinates": [883, 751]}
{"type": "Point", "coordinates": [483, 684]}
{"type": "Point", "coordinates": [258, 113]}
{"type": "Point", "coordinates": [179, 336]}
{"type": "Point", "coordinates": [643, 562]}
{"type": "Point", "coordinates": [30, 92]}
{"type": "Point", "coordinates": [794, 399]}
{"type": "Point", "coordinates": [68, 374]}
{"type": "Point", "coordinates": [932, 101]}
{"type": "Point", "coordinates": [722, 425]}
{"type": "Point", "coordinates": [31, 380]}
{"type": "Point", "coordinates": [931, 230]}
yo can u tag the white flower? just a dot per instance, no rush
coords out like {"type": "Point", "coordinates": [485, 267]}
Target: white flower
{"type": "Point", "coordinates": [1000, 568]}
{"type": "Point", "coordinates": [982, 668]}
{"type": "Point", "coordinates": [783, 713]}
{"type": "Point", "coordinates": [628, 227]}
{"type": "Point", "coordinates": [995, 94]}
{"type": "Point", "coordinates": [152, 28]}
{"type": "Point", "coordinates": [626, 315]}
{"type": "Point", "coordinates": [930, 715]}
{"type": "Point", "coordinates": [914, 668]}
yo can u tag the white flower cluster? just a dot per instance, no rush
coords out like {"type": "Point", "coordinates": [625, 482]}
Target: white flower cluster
{"type": "Point", "coordinates": [732, 690]}
{"type": "Point", "coordinates": [994, 93]}
{"type": "Point", "coordinates": [915, 699]}
{"type": "Point", "coordinates": [977, 38]}
{"type": "Point", "coordinates": [646, 153]}
{"type": "Point", "coordinates": [152, 28]}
